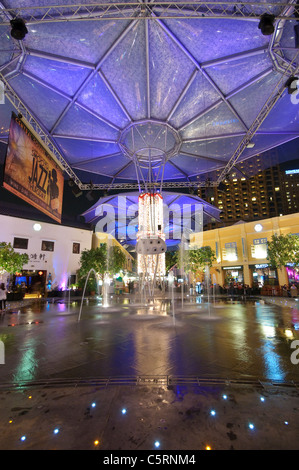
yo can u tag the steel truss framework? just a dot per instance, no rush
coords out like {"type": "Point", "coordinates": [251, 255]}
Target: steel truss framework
{"type": "Point", "coordinates": [270, 103]}
{"type": "Point", "coordinates": [158, 12]}
{"type": "Point", "coordinates": [165, 10]}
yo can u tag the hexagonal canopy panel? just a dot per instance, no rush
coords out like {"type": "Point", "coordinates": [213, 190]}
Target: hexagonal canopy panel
{"type": "Point", "coordinates": [120, 84]}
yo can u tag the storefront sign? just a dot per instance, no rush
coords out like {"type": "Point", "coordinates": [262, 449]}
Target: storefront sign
{"type": "Point", "coordinates": [260, 241]}
{"type": "Point", "coordinates": [36, 258]}
{"type": "Point", "coordinates": [231, 245]}
{"type": "Point", "coordinates": [232, 267]}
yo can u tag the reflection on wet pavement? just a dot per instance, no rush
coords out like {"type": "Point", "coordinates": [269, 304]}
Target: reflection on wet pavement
{"type": "Point", "coordinates": [223, 339]}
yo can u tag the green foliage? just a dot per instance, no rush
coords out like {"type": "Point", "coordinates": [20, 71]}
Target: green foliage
{"type": "Point", "coordinates": [117, 260]}
{"type": "Point", "coordinates": [283, 249]}
{"type": "Point", "coordinates": [171, 258]}
{"type": "Point", "coordinates": [91, 285]}
{"type": "Point", "coordinates": [96, 258]}
{"type": "Point", "coordinates": [11, 261]}
{"type": "Point", "coordinates": [199, 258]}
{"type": "Point", "coordinates": [196, 259]}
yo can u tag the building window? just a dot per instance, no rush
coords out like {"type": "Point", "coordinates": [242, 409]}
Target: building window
{"type": "Point", "coordinates": [76, 248]}
{"type": "Point", "coordinates": [47, 246]}
{"type": "Point", "coordinates": [230, 252]}
{"type": "Point", "coordinates": [21, 243]}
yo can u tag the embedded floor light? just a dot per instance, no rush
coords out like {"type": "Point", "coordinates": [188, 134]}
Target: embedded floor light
{"type": "Point", "coordinates": [266, 24]}
{"type": "Point", "coordinates": [18, 29]}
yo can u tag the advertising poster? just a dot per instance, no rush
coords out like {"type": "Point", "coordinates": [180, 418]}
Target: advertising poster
{"type": "Point", "coordinates": [31, 173]}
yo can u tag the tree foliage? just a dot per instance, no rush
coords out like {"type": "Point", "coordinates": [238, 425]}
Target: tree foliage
{"type": "Point", "coordinates": [283, 249]}
{"type": "Point", "coordinates": [95, 258]}
{"type": "Point", "coordinates": [196, 259]}
{"type": "Point", "coordinates": [98, 259]}
{"type": "Point", "coordinates": [10, 260]}
{"type": "Point", "coordinates": [116, 260]}
{"type": "Point", "coordinates": [199, 258]}
{"type": "Point", "coordinates": [171, 258]}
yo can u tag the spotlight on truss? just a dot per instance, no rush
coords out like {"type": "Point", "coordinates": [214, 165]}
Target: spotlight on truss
{"type": "Point", "coordinates": [291, 85]}
{"type": "Point", "coordinates": [18, 29]}
{"type": "Point", "coordinates": [90, 195]}
{"type": "Point", "coordinates": [266, 24]}
{"type": "Point", "coordinates": [77, 191]}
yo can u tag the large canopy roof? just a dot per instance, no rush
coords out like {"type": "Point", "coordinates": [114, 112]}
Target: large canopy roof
{"type": "Point", "coordinates": [183, 214]}
{"type": "Point", "coordinates": [110, 84]}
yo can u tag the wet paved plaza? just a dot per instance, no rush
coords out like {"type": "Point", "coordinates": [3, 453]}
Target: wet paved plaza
{"type": "Point", "coordinates": [99, 383]}
{"type": "Point", "coordinates": [226, 339]}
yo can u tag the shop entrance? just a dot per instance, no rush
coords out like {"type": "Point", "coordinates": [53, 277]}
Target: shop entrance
{"type": "Point", "coordinates": [263, 275]}
{"type": "Point", "coordinates": [293, 274]}
{"type": "Point", "coordinates": [30, 282]}
{"type": "Point", "coordinates": [233, 275]}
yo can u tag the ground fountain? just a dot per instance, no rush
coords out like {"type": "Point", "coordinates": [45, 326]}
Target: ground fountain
{"type": "Point", "coordinates": [182, 267]}
{"type": "Point", "coordinates": [171, 290]}
{"type": "Point", "coordinates": [83, 293]}
{"type": "Point", "coordinates": [207, 283]}
{"type": "Point", "coordinates": [105, 290]}
{"type": "Point", "coordinates": [69, 292]}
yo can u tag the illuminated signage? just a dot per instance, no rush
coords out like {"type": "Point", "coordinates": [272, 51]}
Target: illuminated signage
{"type": "Point", "coordinates": [232, 267]}
{"type": "Point", "coordinates": [30, 171]}
{"type": "Point", "coordinates": [291, 172]}
{"type": "Point", "coordinates": [260, 241]}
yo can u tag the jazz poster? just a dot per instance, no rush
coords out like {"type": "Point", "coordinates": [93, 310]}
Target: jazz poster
{"type": "Point", "coordinates": [30, 171]}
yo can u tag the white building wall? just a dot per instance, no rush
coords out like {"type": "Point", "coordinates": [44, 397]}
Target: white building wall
{"type": "Point", "coordinates": [62, 262]}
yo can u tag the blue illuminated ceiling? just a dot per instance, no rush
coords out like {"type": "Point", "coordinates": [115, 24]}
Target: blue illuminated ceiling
{"type": "Point", "coordinates": [183, 213]}
{"type": "Point", "coordinates": [186, 89]}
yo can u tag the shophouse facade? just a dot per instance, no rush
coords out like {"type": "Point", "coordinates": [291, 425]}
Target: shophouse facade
{"type": "Point", "coordinates": [241, 252]}
{"type": "Point", "coordinates": [53, 250]}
